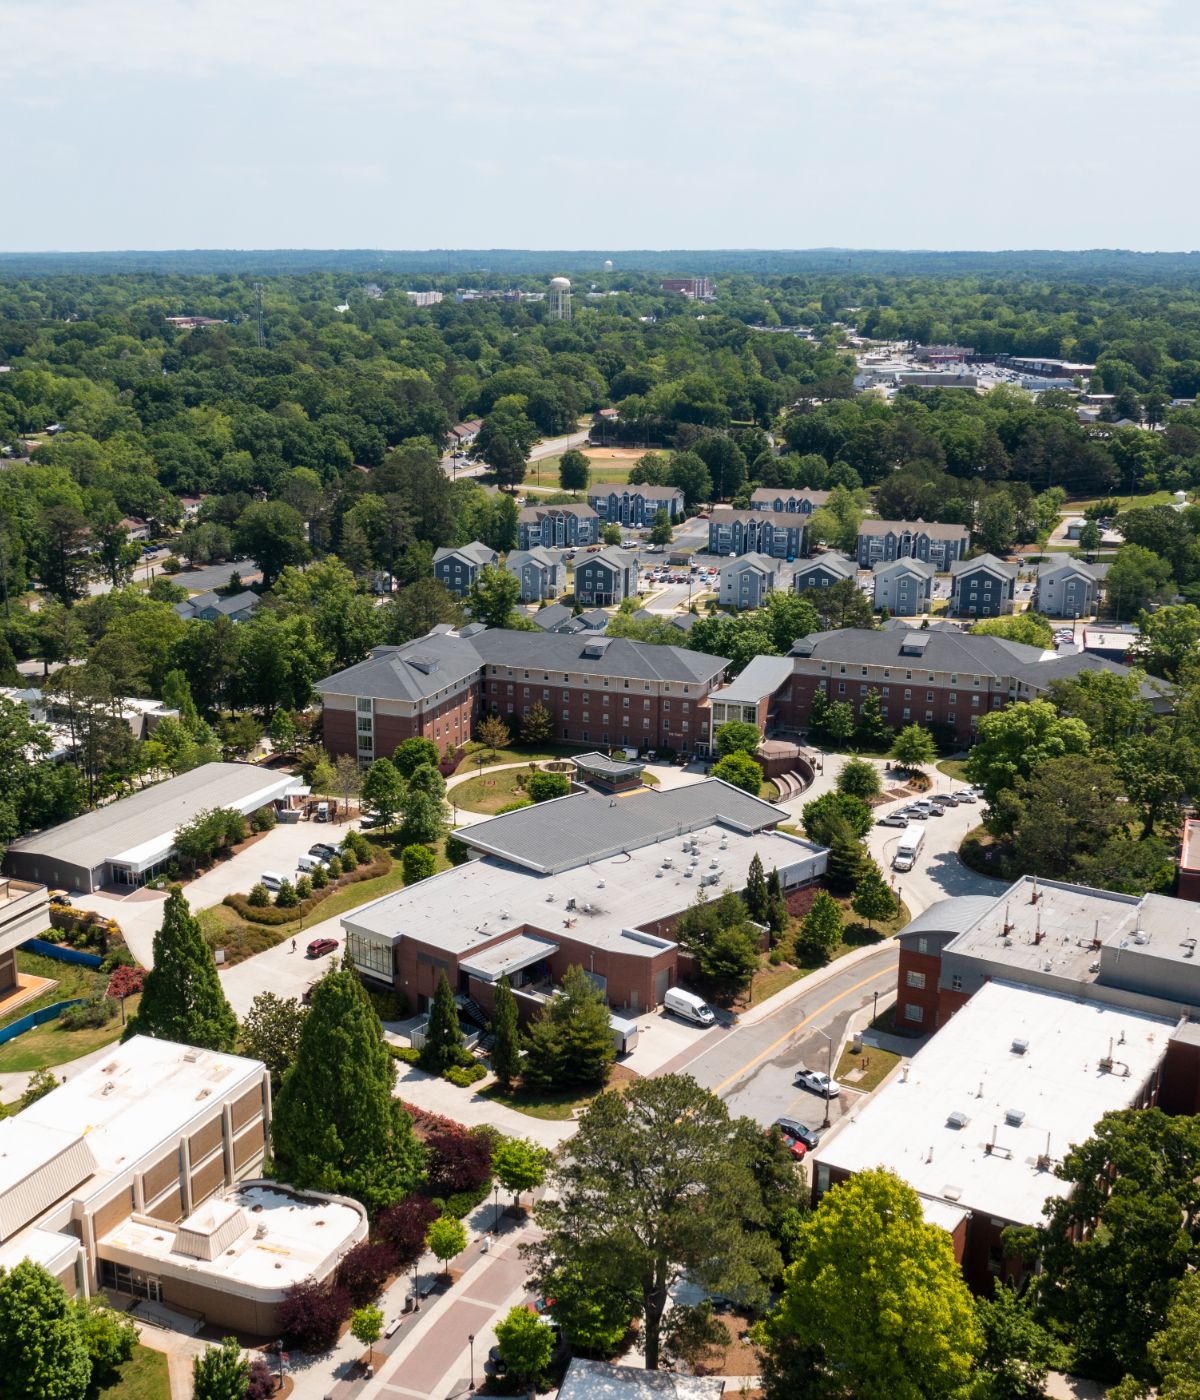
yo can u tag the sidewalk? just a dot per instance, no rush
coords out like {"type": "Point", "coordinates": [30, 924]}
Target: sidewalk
{"type": "Point", "coordinates": [468, 1107]}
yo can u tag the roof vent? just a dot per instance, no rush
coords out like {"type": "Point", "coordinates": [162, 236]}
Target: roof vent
{"type": "Point", "coordinates": [1014, 1117]}
{"type": "Point", "coordinates": [952, 1193]}
{"type": "Point", "coordinates": [957, 1119]}
{"type": "Point", "coordinates": [1020, 1046]}
{"type": "Point", "coordinates": [1140, 938]}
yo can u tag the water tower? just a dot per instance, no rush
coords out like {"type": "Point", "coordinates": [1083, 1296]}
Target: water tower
{"type": "Point", "coordinates": [608, 264]}
{"type": "Point", "coordinates": [560, 299]}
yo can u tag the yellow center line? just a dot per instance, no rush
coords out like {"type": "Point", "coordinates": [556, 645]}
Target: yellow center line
{"type": "Point", "coordinates": [799, 1026]}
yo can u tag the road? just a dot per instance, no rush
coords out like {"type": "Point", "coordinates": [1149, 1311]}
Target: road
{"type": "Point", "coordinates": [459, 464]}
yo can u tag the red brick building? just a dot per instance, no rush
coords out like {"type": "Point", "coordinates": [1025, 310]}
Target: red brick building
{"type": "Point", "coordinates": [591, 880]}
{"type": "Point", "coordinates": [598, 691]}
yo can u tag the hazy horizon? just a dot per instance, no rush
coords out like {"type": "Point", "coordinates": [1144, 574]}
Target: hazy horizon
{"type": "Point", "coordinates": [293, 124]}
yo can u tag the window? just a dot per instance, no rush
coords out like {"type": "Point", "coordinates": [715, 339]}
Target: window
{"type": "Point", "coordinates": [928, 716]}
{"type": "Point", "coordinates": [584, 717]}
{"type": "Point", "coordinates": [566, 714]}
{"type": "Point", "coordinates": [929, 697]}
{"type": "Point", "coordinates": [645, 724]}
{"type": "Point", "coordinates": [913, 1012]}
{"type": "Point", "coordinates": [884, 690]}
{"type": "Point", "coordinates": [545, 695]}
{"type": "Point", "coordinates": [841, 687]}
{"type": "Point", "coordinates": [922, 945]}
{"type": "Point", "coordinates": [625, 701]}
{"type": "Point", "coordinates": [684, 726]}
{"type": "Point", "coordinates": [908, 694]}
{"type": "Point", "coordinates": [956, 982]}
{"type": "Point", "coordinates": [915, 980]}
{"type": "Point", "coordinates": [953, 697]}
{"type": "Point", "coordinates": [974, 699]}
{"type": "Point", "coordinates": [645, 704]}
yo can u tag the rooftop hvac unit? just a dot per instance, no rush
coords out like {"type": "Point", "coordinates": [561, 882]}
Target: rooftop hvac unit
{"type": "Point", "coordinates": [1014, 1117]}
{"type": "Point", "coordinates": [687, 874]}
{"type": "Point", "coordinates": [1019, 1047]}
{"type": "Point", "coordinates": [957, 1119]}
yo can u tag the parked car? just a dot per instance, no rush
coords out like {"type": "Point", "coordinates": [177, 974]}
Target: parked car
{"type": "Point", "coordinates": [818, 1083]}
{"type": "Point", "coordinates": [323, 850]}
{"type": "Point", "coordinates": [271, 879]}
{"type": "Point", "coordinates": [801, 1132]}
{"type": "Point", "coordinates": [794, 1145]}
{"type": "Point", "coordinates": [966, 796]}
{"type": "Point", "coordinates": [60, 897]}
{"type": "Point", "coordinates": [895, 819]}
{"type": "Point", "coordinates": [320, 946]}
{"type": "Point", "coordinates": [915, 814]}
{"type": "Point", "coordinates": [937, 810]}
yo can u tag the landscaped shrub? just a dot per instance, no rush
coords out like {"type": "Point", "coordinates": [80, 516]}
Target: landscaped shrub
{"type": "Point", "coordinates": [269, 916]}
{"type": "Point", "coordinates": [259, 897]}
{"type": "Point", "coordinates": [89, 1015]}
{"type": "Point", "coordinates": [541, 787]}
{"type": "Point", "coordinates": [418, 862]}
{"type": "Point", "coordinates": [355, 841]}
{"type": "Point", "coordinates": [457, 852]}
{"type": "Point", "coordinates": [263, 820]}
{"type": "Point", "coordinates": [364, 1269]}
{"type": "Point", "coordinates": [462, 1203]}
{"type": "Point", "coordinates": [349, 858]}
{"type": "Point", "coordinates": [513, 806]}
{"type": "Point", "coordinates": [310, 1317]}
{"type": "Point", "coordinates": [286, 897]}
{"type": "Point", "coordinates": [464, 1078]}
{"type": "Point", "coordinates": [406, 1054]}
{"type": "Point", "coordinates": [125, 982]}
{"type": "Point", "coordinates": [304, 887]}
{"type": "Point", "coordinates": [334, 868]}
{"type": "Point", "coordinates": [457, 1162]}
{"type": "Point", "coordinates": [261, 1384]}
{"type": "Point", "coordinates": [392, 1005]}
{"type": "Point", "coordinates": [117, 957]}
{"type": "Point", "coordinates": [405, 1226]}
{"type": "Point", "coordinates": [171, 565]}
{"type": "Point", "coordinates": [319, 878]}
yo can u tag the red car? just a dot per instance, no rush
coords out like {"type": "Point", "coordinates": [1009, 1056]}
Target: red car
{"type": "Point", "coordinates": [320, 946]}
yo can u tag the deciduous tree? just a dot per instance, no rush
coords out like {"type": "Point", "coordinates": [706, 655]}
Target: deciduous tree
{"type": "Point", "coordinates": [43, 1351]}
{"type": "Point", "coordinates": [221, 1372]}
{"type": "Point", "coordinates": [271, 1032]}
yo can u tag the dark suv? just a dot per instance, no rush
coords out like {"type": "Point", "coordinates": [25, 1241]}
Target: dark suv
{"type": "Point", "coordinates": [798, 1132]}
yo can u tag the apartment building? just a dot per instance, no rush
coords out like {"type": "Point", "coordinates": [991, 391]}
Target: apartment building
{"type": "Point", "coordinates": [557, 527]}
{"type": "Point", "coordinates": [785, 501]}
{"type": "Point", "coordinates": [540, 573]}
{"type": "Point", "coordinates": [605, 579]}
{"type": "Point", "coordinates": [1069, 588]}
{"type": "Point", "coordinates": [457, 568]}
{"type": "Point", "coordinates": [782, 535]}
{"type": "Point", "coordinates": [599, 690]}
{"type": "Point", "coordinates": [982, 587]}
{"type": "Point", "coordinates": [636, 506]}
{"type": "Point", "coordinates": [823, 571]}
{"type": "Point", "coordinates": [904, 587]}
{"type": "Point", "coordinates": [746, 581]}
{"type": "Point", "coordinates": [935, 543]}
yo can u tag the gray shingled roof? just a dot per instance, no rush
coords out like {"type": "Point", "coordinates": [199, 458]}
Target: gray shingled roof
{"type": "Point", "coordinates": [569, 831]}
{"type": "Point", "coordinates": [789, 493]}
{"type": "Point", "coordinates": [1065, 563]}
{"type": "Point", "coordinates": [1071, 664]}
{"type": "Point", "coordinates": [611, 558]}
{"type": "Point", "coordinates": [552, 615]}
{"type": "Point", "coordinates": [944, 651]}
{"type": "Point", "coordinates": [409, 672]}
{"type": "Point", "coordinates": [552, 651]}
{"type": "Point", "coordinates": [190, 607]}
{"type": "Point", "coordinates": [983, 561]}
{"type": "Point", "coordinates": [906, 565]}
{"type": "Point", "coordinates": [646, 490]}
{"type": "Point", "coordinates": [763, 562]}
{"type": "Point", "coordinates": [518, 558]}
{"type": "Point", "coordinates": [933, 528]}
{"type": "Point", "coordinates": [831, 561]}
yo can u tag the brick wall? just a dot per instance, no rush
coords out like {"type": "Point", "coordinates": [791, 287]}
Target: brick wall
{"type": "Point", "coordinates": [795, 703]}
{"type": "Point", "coordinates": [649, 721]}
{"type": "Point", "coordinates": [925, 999]}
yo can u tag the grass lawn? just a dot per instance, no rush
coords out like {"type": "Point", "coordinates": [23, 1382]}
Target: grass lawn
{"type": "Point", "coordinates": [856, 934]}
{"type": "Point", "coordinates": [50, 1045]}
{"type": "Point", "coordinates": [143, 1377]}
{"type": "Point", "coordinates": [489, 792]}
{"type": "Point", "coordinates": [768, 980]}
{"type": "Point", "coordinates": [224, 928]}
{"type": "Point", "coordinates": [874, 1063]}
{"type": "Point", "coordinates": [515, 753]}
{"type": "Point", "coordinates": [1151, 498]}
{"type": "Point", "coordinates": [73, 981]}
{"type": "Point", "coordinates": [955, 768]}
{"type": "Point", "coordinates": [556, 1105]}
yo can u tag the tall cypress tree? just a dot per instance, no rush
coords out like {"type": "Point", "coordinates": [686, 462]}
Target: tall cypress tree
{"type": "Point", "coordinates": [182, 997]}
{"type": "Point", "coordinates": [506, 1053]}
{"type": "Point", "coordinates": [336, 1126]}
{"type": "Point", "coordinates": [444, 1041]}
{"type": "Point", "coordinates": [756, 891]}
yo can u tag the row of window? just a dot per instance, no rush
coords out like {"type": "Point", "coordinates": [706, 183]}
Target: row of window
{"type": "Point", "coordinates": [908, 675]}
{"type": "Point", "coordinates": [586, 680]}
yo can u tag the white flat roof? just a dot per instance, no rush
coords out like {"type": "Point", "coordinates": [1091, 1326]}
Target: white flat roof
{"type": "Point", "coordinates": [970, 1068]}
{"type": "Point", "coordinates": [141, 1095]}
{"type": "Point", "coordinates": [474, 903]}
{"type": "Point", "coordinates": [287, 1237]}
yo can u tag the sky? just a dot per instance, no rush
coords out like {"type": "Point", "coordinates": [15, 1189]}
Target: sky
{"type": "Point", "coordinates": [976, 124]}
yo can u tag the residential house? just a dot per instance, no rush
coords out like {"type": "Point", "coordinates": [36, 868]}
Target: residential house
{"type": "Point", "coordinates": [604, 579]}
{"type": "Point", "coordinates": [823, 571]}
{"type": "Point", "coordinates": [904, 587]}
{"type": "Point", "coordinates": [746, 581]}
{"type": "Point", "coordinates": [788, 501]}
{"type": "Point", "coordinates": [933, 542]}
{"type": "Point", "coordinates": [541, 574]}
{"type": "Point", "coordinates": [636, 506]}
{"type": "Point", "coordinates": [1069, 587]}
{"type": "Point", "coordinates": [209, 606]}
{"type": "Point", "coordinates": [457, 568]}
{"type": "Point", "coordinates": [563, 527]}
{"type": "Point", "coordinates": [982, 587]}
{"type": "Point", "coordinates": [779, 534]}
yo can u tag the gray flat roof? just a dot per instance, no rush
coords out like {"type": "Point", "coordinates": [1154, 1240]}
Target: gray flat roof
{"type": "Point", "coordinates": [763, 676]}
{"type": "Point", "coordinates": [510, 956]}
{"type": "Point", "coordinates": [154, 813]}
{"type": "Point", "coordinates": [605, 766]}
{"type": "Point", "coordinates": [566, 832]}
{"type": "Point", "coordinates": [601, 1380]}
{"type": "Point", "coordinates": [950, 915]}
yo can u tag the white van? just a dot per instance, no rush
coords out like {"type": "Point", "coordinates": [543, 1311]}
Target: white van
{"type": "Point", "coordinates": [908, 846]}
{"type": "Point", "coordinates": [689, 1006]}
{"type": "Point", "coordinates": [271, 879]}
{"type": "Point", "coordinates": [306, 864]}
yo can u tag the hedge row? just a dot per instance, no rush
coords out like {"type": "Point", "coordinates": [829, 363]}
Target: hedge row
{"type": "Point", "coordinates": [271, 915]}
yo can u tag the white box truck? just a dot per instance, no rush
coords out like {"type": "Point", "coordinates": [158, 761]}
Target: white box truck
{"type": "Point", "coordinates": [907, 846]}
{"type": "Point", "coordinates": [689, 1006]}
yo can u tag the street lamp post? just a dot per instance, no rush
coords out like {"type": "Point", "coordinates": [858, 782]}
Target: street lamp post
{"type": "Point", "coordinates": [416, 1289]}
{"type": "Point", "coordinates": [471, 1343]}
{"type": "Point", "coordinates": [875, 1007]}
{"type": "Point", "coordinates": [828, 1073]}
{"type": "Point", "coordinates": [496, 1218]}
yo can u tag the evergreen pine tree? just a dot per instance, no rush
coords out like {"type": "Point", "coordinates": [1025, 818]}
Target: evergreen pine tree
{"type": "Point", "coordinates": [872, 898]}
{"type": "Point", "coordinates": [821, 930]}
{"type": "Point", "coordinates": [336, 1126]}
{"type": "Point", "coordinates": [506, 1053]}
{"type": "Point", "coordinates": [182, 997]}
{"type": "Point", "coordinates": [777, 910]}
{"type": "Point", "coordinates": [846, 854]}
{"type": "Point", "coordinates": [570, 1042]}
{"type": "Point", "coordinates": [756, 892]}
{"type": "Point", "coordinates": [444, 1041]}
